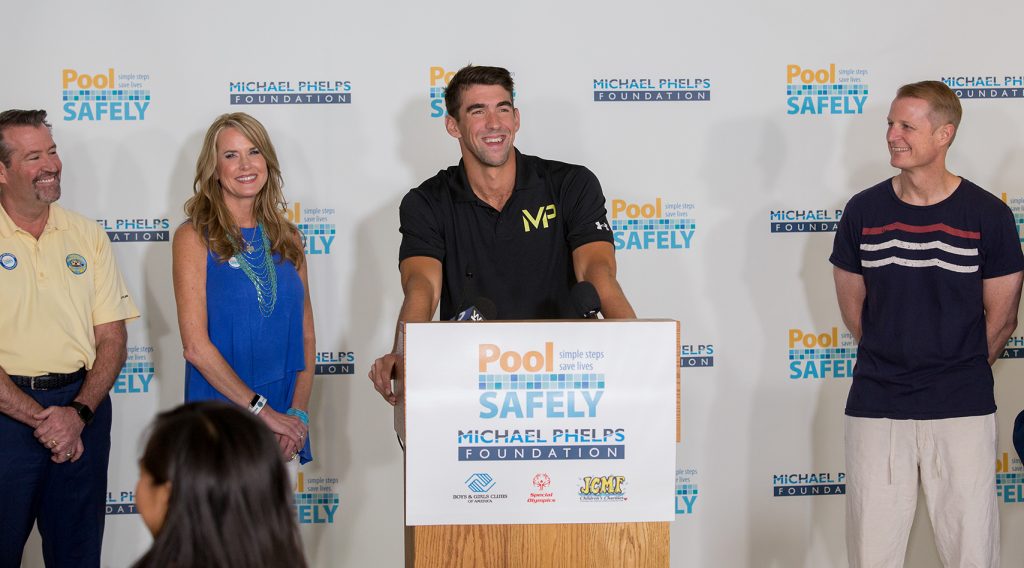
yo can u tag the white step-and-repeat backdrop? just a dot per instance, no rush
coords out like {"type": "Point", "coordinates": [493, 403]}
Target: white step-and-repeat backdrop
{"type": "Point", "coordinates": [742, 126]}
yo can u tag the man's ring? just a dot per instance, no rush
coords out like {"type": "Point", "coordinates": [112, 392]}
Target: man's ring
{"type": "Point", "coordinates": [293, 457]}
{"type": "Point", "coordinates": [52, 444]}
{"type": "Point", "coordinates": [69, 454]}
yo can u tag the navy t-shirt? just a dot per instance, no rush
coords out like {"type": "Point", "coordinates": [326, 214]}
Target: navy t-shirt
{"type": "Point", "coordinates": [923, 353]}
{"type": "Point", "coordinates": [520, 258]}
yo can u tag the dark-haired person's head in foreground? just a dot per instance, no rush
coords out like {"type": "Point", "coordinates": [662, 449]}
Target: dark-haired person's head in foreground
{"type": "Point", "coordinates": [214, 491]}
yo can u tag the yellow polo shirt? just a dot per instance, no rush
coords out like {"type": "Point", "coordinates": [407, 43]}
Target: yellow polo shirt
{"type": "Point", "coordinates": [53, 291]}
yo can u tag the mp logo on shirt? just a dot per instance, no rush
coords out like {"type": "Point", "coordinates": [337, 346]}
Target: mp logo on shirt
{"type": "Point", "coordinates": [821, 355]}
{"type": "Point", "coordinates": [652, 225]}
{"type": "Point", "coordinates": [825, 91]}
{"type": "Point", "coordinates": [104, 95]}
{"type": "Point", "coordinates": [541, 219]}
{"type": "Point", "coordinates": [316, 225]}
{"type": "Point", "coordinates": [986, 86]}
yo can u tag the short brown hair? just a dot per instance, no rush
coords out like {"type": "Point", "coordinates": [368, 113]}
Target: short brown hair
{"type": "Point", "coordinates": [945, 105]}
{"type": "Point", "coordinates": [475, 75]}
{"type": "Point", "coordinates": [17, 117]}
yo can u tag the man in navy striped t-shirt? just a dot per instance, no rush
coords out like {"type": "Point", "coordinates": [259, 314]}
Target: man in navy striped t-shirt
{"type": "Point", "coordinates": [928, 270]}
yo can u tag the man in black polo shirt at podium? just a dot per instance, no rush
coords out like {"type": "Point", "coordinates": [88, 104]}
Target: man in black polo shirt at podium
{"type": "Point", "coordinates": [515, 229]}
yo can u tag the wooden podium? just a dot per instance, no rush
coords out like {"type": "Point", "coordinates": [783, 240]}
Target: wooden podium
{"type": "Point", "coordinates": [638, 544]}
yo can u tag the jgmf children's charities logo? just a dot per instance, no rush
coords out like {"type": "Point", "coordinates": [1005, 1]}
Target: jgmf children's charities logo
{"type": "Point", "coordinates": [697, 355]}
{"type": "Point", "coordinates": [335, 362]}
{"type": "Point", "coordinates": [686, 491]}
{"type": "Point", "coordinates": [1016, 205]}
{"type": "Point", "coordinates": [310, 91]}
{"type": "Point", "coordinates": [986, 86]}
{"type": "Point", "coordinates": [603, 488]}
{"type": "Point", "coordinates": [105, 95]}
{"type": "Point", "coordinates": [316, 499]}
{"type": "Point", "coordinates": [804, 220]}
{"type": "Point", "coordinates": [120, 503]}
{"type": "Point", "coordinates": [651, 89]}
{"type": "Point", "coordinates": [137, 374]}
{"type": "Point", "coordinates": [136, 230]}
{"type": "Point", "coordinates": [657, 225]}
{"type": "Point", "coordinates": [316, 225]}
{"type": "Point", "coordinates": [828, 355]}
{"type": "Point", "coordinates": [808, 484]}
{"type": "Point", "coordinates": [828, 90]}
{"type": "Point", "coordinates": [1009, 479]}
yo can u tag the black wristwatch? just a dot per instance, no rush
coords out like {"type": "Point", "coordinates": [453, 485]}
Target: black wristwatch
{"type": "Point", "coordinates": [84, 412]}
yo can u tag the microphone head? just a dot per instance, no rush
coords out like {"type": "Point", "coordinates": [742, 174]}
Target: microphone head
{"type": "Point", "coordinates": [486, 308]}
{"type": "Point", "coordinates": [585, 301]}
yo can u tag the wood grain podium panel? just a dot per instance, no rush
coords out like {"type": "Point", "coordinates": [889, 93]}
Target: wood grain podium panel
{"type": "Point", "coordinates": [604, 545]}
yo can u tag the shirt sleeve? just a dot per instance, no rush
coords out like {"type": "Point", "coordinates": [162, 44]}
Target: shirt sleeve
{"type": "Point", "coordinates": [846, 245]}
{"type": "Point", "coordinates": [1000, 244]}
{"type": "Point", "coordinates": [422, 234]}
{"type": "Point", "coordinates": [586, 218]}
{"type": "Point", "coordinates": [111, 301]}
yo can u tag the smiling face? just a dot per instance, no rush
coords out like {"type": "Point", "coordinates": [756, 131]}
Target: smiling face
{"type": "Point", "coordinates": [33, 176]}
{"type": "Point", "coordinates": [241, 168]}
{"type": "Point", "coordinates": [486, 126]}
{"type": "Point", "coordinates": [915, 141]}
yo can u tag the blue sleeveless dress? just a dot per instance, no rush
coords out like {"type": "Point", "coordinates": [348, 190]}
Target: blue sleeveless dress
{"type": "Point", "coordinates": [265, 352]}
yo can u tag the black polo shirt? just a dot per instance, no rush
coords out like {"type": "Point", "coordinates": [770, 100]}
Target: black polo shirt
{"type": "Point", "coordinates": [520, 257]}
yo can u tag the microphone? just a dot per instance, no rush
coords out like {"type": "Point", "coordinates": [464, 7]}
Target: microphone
{"type": "Point", "coordinates": [480, 310]}
{"type": "Point", "coordinates": [585, 301]}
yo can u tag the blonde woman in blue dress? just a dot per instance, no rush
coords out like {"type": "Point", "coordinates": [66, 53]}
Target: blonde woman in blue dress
{"type": "Point", "coordinates": [240, 283]}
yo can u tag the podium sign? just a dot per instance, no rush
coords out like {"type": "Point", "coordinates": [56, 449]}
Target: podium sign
{"type": "Point", "coordinates": [540, 422]}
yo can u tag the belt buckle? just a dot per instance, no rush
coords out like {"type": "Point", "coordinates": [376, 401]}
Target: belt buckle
{"type": "Point", "coordinates": [32, 383]}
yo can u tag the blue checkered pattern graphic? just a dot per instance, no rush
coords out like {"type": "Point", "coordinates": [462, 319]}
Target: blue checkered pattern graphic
{"type": "Point", "coordinates": [816, 354]}
{"type": "Point", "coordinates": [835, 89]}
{"type": "Point", "coordinates": [137, 368]}
{"type": "Point", "coordinates": [310, 229]}
{"type": "Point", "coordinates": [317, 498]}
{"type": "Point", "coordinates": [106, 95]}
{"type": "Point", "coordinates": [542, 381]}
{"type": "Point", "coordinates": [686, 489]}
{"type": "Point", "coordinates": [653, 224]}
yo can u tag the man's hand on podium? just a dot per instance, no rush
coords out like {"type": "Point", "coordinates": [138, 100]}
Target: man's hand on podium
{"type": "Point", "coordinates": [382, 373]}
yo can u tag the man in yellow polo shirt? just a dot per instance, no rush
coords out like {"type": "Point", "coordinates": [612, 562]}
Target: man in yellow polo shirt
{"type": "Point", "coordinates": [62, 345]}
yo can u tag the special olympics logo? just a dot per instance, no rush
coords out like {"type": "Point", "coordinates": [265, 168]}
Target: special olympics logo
{"type": "Point", "coordinates": [480, 482]}
{"type": "Point", "coordinates": [541, 481]}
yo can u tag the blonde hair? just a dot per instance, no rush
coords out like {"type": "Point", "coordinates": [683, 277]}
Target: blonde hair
{"type": "Point", "coordinates": [943, 102]}
{"type": "Point", "coordinates": [210, 216]}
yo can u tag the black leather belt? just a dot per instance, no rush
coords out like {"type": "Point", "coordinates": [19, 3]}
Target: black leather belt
{"type": "Point", "coordinates": [49, 381]}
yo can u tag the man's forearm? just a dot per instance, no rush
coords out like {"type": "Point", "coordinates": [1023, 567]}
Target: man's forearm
{"type": "Point", "coordinates": [17, 404]}
{"type": "Point", "coordinates": [111, 353]}
{"type": "Point", "coordinates": [997, 335]}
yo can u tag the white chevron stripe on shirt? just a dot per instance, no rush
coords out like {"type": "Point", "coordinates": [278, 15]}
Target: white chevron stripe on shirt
{"type": "Point", "coordinates": [918, 264]}
{"type": "Point", "coordinates": [921, 246]}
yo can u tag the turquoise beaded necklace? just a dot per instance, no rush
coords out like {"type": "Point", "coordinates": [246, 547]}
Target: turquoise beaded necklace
{"type": "Point", "coordinates": [258, 264]}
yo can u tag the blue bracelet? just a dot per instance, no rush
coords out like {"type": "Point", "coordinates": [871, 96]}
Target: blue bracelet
{"type": "Point", "coordinates": [300, 414]}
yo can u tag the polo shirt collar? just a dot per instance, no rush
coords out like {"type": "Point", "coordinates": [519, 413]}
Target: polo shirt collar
{"type": "Point", "coordinates": [526, 178]}
{"type": "Point", "coordinates": [57, 220]}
